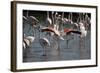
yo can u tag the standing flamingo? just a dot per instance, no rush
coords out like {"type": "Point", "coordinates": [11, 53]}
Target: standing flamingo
{"type": "Point", "coordinates": [69, 23]}
{"type": "Point", "coordinates": [45, 44]}
{"type": "Point", "coordinates": [82, 32]}
{"type": "Point", "coordinates": [82, 27]}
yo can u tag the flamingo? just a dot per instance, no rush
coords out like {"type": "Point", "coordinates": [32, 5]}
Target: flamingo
{"type": "Point", "coordinates": [58, 19]}
{"type": "Point", "coordinates": [56, 32]}
{"type": "Point", "coordinates": [68, 21]}
{"type": "Point", "coordinates": [54, 25]}
{"type": "Point", "coordinates": [56, 35]}
{"type": "Point", "coordinates": [53, 30]}
{"type": "Point", "coordinates": [44, 42]}
{"type": "Point", "coordinates": [27, 41]}
{"type": "Point", "coordinates": [56, 29]}
{"type": "Point", "coordinates": [82, 32]}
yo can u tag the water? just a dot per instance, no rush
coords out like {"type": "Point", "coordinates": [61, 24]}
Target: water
{"type": "Point", "coordinates": [72, 51]}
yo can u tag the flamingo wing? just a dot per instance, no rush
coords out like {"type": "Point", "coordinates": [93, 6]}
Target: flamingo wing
{"type": "Point", "coordinates": [56, 32]}
{"type": "Point", "coordinates": [47, 29]}
{"type": "Point", "coordinates": [74, 31]}
{"type": "Point", "coordinates": [67, 30]}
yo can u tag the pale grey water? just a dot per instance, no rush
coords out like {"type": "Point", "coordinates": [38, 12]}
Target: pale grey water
{"type": "Point", "coordinates": [71, 52]}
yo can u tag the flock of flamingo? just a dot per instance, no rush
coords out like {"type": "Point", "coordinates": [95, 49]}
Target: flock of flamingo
{"type": "Point", "coordinates": [55, 28]}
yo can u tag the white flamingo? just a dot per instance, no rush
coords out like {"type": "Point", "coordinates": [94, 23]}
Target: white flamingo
{"type": "Point", "coordinates": [27, 41]}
